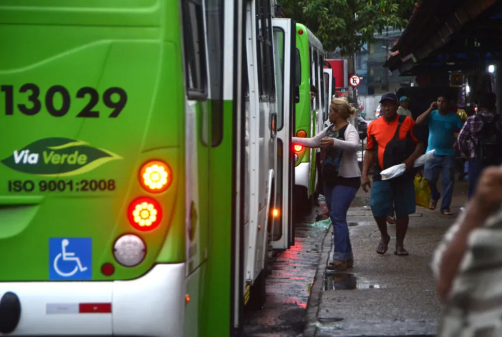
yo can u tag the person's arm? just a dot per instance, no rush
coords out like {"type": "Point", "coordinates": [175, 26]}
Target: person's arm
{"type": "Point", "coordinates": [419, 149]}
{"type": "Point", "coordinates": [485, 202]}
{"type": "Point", "coordinates": [464, 136]}
{"type": "Point", "coordinates": [350, 144]}
{"type": "Point", "coordinates": [369, 157]}
{"type": "Point", "coordinates": [310, 142]}
{"type": "Point", "coordinates": [422, 119]}
{"type": "Point", "coordinates": [460, 123]}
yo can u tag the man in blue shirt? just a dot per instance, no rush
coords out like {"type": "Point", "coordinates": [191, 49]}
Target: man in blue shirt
{"type": "Point", "coordinates": [443, 124]}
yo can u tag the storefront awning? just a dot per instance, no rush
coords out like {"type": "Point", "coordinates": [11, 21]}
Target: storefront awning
{"type": "Point", "coordinates": [448, 35]}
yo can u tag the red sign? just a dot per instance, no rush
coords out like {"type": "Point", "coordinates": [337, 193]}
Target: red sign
{"type": "Point", "coordinates": [354, 81]}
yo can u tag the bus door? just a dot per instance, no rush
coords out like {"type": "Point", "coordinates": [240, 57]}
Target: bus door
{"type": "Point", "coordinates": [284, 45]}
{"type": "Point", "coordinates": [328, 89]}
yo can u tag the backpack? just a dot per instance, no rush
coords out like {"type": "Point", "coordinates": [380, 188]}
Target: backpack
{"type": "Point", "coordinates": [489, 146]}
{"type": "Point", "coordinates": [396, 152]}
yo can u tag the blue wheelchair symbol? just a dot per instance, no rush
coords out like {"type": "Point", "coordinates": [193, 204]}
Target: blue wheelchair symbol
{"type": "Point", "coordinates": [70, 258]}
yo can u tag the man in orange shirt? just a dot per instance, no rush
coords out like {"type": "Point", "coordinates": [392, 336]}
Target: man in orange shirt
{"type": "Point", "coordinates": [391, 142]}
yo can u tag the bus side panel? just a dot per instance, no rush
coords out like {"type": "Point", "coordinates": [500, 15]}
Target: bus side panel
{"type": "Point", "coordinates": [220, 236]}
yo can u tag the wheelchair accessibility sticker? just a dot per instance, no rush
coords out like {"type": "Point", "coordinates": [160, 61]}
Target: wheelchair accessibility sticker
{"type": "Point", "coordinates": [70, 258]}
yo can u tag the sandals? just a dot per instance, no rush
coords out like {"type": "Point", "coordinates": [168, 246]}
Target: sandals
{"type": "Point", "coordinates": [382, 247]}
{"type": "Point", "coordinates": [447, 212]}
{"type": "Point", "coordinates": [337, 265]}
{"type": "Point", "coordinates": [401, 252]}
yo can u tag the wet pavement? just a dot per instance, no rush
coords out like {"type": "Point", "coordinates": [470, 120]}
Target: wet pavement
{"type": "Point", "coordinates": [290, 283]}
{"type": "Point", "coordinates": [381, 296]}
{"type": "Point", "coordinates": [384, 295]}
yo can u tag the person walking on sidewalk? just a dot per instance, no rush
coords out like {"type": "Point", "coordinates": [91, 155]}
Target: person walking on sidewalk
{"type": "Point", "coordinates": [342, 177]}
{"type": "Point", "coordinates": [481, 140]}
{"type": "Point", "coordinates": [391, 142]}
{"type": "Point", "coordinates": [443, 124]}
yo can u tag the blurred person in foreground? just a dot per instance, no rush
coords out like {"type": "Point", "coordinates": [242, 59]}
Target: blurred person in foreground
{"type": "Point", "coordinates": [467, 264]}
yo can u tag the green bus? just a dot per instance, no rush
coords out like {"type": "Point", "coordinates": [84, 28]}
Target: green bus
{"type": "Point", "coordinates": [309, 113]}
{"type": "Point", "coordinates": [137, 165]}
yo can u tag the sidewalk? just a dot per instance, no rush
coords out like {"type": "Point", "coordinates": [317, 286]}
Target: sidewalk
{"type": "Point", "coordinates": [383, 295]}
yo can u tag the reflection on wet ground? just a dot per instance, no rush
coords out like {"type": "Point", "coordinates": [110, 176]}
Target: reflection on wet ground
{"type": "Point", "coordinates": [335, 280]}
{"type": "Point", "coordinates": [289, 285]}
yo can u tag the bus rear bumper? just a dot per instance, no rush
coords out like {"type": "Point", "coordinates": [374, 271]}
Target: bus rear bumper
{"type": "Point", "coordinates": [152, 305]}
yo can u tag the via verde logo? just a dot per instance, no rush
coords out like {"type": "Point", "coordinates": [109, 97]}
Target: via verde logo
{"type": "Point", "coordinates": [58, 157]}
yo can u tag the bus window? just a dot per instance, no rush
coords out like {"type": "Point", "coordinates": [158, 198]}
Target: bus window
{"type": "Point", "coordinates": [264, 49]}
{"type": "Point", "coordinates": [321, 77]}
{"type": "Point", "coordinates": [328, 98]}
{"type": "Point", "coordinates": [214, 33]}
{"type": "Point", "coordinates": [195, 58]}
{"type": "Point", "coordinates": [310, 65]}
{"type": "Point", "coordinates": [315, 81]}
{"type": "Point", "coordinates": [298, 68]}
{"type": "Point", "coordinates": [298, 75]}
{"type": "Point", "coordinates": [279, 74]}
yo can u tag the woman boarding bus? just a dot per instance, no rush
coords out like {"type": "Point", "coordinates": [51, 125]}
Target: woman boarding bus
{"type": "Point", "coordinates": [341, 174]}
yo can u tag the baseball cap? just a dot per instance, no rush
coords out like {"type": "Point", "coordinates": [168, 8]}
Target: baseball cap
{"type": "Point", "coordinates": [404, 98]}
{"type": "Point", "coordinates": [388, 97]}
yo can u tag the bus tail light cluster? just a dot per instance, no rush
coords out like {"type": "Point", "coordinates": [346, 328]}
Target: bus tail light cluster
{"type": "Point", "coordinates": [144, 214]}
{"type": "Point", "coordinates": [299, 134]}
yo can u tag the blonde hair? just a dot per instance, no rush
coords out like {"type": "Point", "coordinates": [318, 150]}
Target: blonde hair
{"type": "Point", "coordinates": [343, 108]}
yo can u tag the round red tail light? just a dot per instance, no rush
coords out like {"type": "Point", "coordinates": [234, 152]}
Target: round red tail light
{"type": "Point", "coordinates": [144, 214]}
{"type": "Point", "coordinates": [298, 148]}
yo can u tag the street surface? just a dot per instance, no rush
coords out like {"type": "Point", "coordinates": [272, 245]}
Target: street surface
{"type": "Point", "coordinates": [382, 296]}
{"type": "Point", "coordinates": [289, 285]}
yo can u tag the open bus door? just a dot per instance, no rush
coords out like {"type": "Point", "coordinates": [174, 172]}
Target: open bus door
{"type": "Point", "coordinates": [284, 45]}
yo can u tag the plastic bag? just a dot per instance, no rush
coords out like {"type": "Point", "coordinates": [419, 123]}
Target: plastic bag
{"type": "Point", "coordinates": [397, 170]}
{"type": "Point", "coordinates": [393, 172]}
{"type": "Point", "coordinates": [422, 192]}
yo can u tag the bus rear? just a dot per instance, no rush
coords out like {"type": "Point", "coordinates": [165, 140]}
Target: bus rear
{"type": "Point", "coordinates": [91, 168]}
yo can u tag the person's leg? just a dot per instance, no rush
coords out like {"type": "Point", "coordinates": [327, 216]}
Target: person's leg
{"type": "Point", "coordinates": [401, 229]}
{"type": "Point", "coordinates": [341, 197]}
{"type": "Point", "coordinates": [404, 194]}
{"type": "Point", "coordinates": [327, 195]}
{"type": "Point", "coordinates": [381, 206]}
{"type": "Point", "coordinates": [431, 175]}
{"type": "Point", "coordinates": [475, 169]}
{"type": "Point", "coordinates": [448, 166]}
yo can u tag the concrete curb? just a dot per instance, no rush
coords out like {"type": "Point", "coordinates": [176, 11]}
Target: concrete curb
{"type": "Point", "coordinates": [316, 291]}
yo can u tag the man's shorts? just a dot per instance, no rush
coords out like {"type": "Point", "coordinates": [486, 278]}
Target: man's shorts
{"type": "Point", "coordinates": [400, 192]}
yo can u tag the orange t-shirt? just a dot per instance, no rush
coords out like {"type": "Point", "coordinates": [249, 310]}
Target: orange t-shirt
{"type": "Point", "coordinates": [384, 132]}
